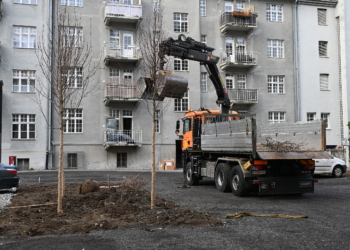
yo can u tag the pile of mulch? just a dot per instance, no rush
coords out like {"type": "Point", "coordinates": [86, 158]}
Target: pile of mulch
{"type": "Point", "coordinates": [106, 209]}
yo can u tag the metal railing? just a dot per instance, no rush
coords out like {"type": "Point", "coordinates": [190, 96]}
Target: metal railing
{"type": "Point", "coordinates": [118, 51]}
{"type": "Point", "coordinates": [228, 18]}
{"type": "Point", "coordinates": [122, 88]}
{"type": "Point", "coordinates": [123, 137]}
{"type": "Point", "coordinates": [239, 57]}
{"type": "Point", "coordinates": [124, 10]}
{"type": "Point", "coordinates": [243, 95]}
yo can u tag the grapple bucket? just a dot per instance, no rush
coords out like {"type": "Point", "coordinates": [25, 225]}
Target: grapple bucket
{"type": "Point", "coordinates": [173, 87]}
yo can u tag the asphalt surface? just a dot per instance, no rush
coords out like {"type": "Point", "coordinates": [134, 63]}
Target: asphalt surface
{"type": "Point", "coordinates": [327, 225]}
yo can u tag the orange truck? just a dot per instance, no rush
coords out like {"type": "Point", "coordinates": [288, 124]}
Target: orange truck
{"type": "Point", "coordinates": [231, 148]}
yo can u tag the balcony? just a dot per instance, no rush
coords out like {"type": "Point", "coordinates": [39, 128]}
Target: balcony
{"type": "Point", "coordinates": [121, 54]}
{"type": "Point", "coordinates": [242, 60]}
{"type": "Point", "coordinates": [243, 96]}
{"type": "Point", "coordinates": [125, 138]}
{"type": "Point", "coordinates": [123, 13]}
{"type": "Point", "coordinates": [123, 90]}
{"type": "Point", "coordinates": [238, 21]}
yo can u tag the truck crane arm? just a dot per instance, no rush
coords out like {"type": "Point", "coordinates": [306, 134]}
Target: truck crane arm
{"type": "Point", "coordinates": [187, 48]}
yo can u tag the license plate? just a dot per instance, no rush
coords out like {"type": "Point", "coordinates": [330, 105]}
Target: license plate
{"type": "Point", "coordinates": [258, 171]}
{"type": "Point", "coordinates": [305, 184]}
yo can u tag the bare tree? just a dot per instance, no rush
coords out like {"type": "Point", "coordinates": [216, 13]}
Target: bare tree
{"type": "Point", "coordinates": [66, 64]}
{"type": "Point", "coordinates": [151, 33]}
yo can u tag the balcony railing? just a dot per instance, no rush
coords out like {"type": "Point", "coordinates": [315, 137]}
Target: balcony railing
{"type": "Point", "coordinates": [243, 96]}
{"type": "Point", "coordinates": [238, 59]}
{"type": "Point", "coordinates": [238, 21]}
{"type": "Point", "coordinates": [125, 13]}
{"type": "Point", "coordinates": [121, 90]}
{"type": "Point", "coordinates": [118, 53]}
{"type": "Point", "coordinates": [122, 138]}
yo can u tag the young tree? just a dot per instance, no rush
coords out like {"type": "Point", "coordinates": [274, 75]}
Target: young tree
{"type": "Point", "coordinates": [66, 65]}
{"type": "Point", "coordinates": [151, 33]}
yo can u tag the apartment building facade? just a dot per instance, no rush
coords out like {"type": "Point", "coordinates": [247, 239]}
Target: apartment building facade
{"type": "Point", "coordinates": [112, 128]}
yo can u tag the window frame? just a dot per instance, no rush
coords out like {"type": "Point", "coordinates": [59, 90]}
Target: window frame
{"type": "Point", "coordinates": [20, 123]}
{"type": "Point", "coordinates": [75, 39]}
{"type": "Point", "coordinates": [31, 33]}
{"type": "Point", "coordinates": [203, 7]}
{"type": "Point", "coordinates": [272, 115]}
{"type": "Point", "coordinates": [204, 82]}
{"type": "Point", "coordinates": [310, 116]}
{"type": "Point", "coordinates": [72, 119]}
{"type": "Point", "coordinates": [30, 79]}
{"type": "Point", "coordinates": [181, 21]}
{"type": "Point", "coordinates": [77, 3]}
{"type": "Point", "coordinates": [181, 104]}
{"type": "Point", "coordinates": [21, 2]}
{"type": "Point", "coordinates": [325, 116]}
{"type": "Point", "coordinates": [275, 83]}
{"type": "Point", "coordinates": [70, 160]}
{"type": "Point", "coordinates": [322, 21]}
{"type": "Point", "coordinates": [273, 14]}
{"type": "Point", "coordinates": [324, 82]}
{"type": "Point", "coordinates": [275, 50]}
{"type": "Point", "coordinates": [75, 79]}
{"type": "Point", "coordinates": [323, 48]}
{"type": "Point", "coordinates": [181, 64]}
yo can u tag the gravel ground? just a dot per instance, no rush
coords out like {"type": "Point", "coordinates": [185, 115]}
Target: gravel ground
{"type": "Point", "coordinates": [327, 225]}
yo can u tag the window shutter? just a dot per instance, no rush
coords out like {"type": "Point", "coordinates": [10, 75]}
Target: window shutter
{"type": "Point", "coordinates": [324, 82]}
{"type": "Point", "coordinates": [322, 16]}
{"type": "Point", "coordinates": [322, 48]}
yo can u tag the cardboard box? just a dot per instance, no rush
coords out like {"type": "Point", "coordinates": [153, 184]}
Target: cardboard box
{"type": "Point", "coordinates": [169, 165]}
{"type": "Point", "coordinates": [162, 165]}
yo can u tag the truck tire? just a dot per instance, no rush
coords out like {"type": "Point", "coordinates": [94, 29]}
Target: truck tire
{"type": "Point", "coordinates": [190, 178]}
{"type": "Point", "coordinates": [337, 172]}
{"type": "Point", "coordinates": [222, 177]}
{"type": "Point", "coordinates": [237, 182]}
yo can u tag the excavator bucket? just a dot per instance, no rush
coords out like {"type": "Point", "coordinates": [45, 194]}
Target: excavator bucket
{"type": "Point", "coordinates": [172, 87]}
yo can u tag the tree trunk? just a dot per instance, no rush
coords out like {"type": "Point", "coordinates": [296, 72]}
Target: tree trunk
{"type": "Point", "coordinates": [153, 182]}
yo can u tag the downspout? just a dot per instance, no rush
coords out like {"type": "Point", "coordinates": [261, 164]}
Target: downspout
{"type": "Point", "coordinates": [49, 107]}
{"type": "Point", "coordinates": [297, 103]}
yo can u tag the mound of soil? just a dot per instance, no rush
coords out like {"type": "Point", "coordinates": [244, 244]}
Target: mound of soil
{"type": "Point", "coordinates": [105, 209]}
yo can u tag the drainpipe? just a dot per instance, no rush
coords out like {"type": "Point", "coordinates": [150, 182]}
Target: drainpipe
{"type": "Point", "coordinates": [297, 103]}
{"type": "Point", "coordinates": [48, 115]}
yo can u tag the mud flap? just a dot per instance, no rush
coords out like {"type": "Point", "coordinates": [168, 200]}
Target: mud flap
{"type": "Point", "coordinates": [286, 185]}
{"type": "Point", "coordinates": [173, 87]}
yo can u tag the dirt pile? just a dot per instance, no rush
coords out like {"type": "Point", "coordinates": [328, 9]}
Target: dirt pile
{"type": "Point", "coordinates": [106, 209]}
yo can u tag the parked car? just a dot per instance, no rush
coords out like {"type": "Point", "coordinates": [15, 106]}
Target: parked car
{"type": "Point", "coordinates": [335, 166]}
{"type": "Point", "coordinates": [8, 177]}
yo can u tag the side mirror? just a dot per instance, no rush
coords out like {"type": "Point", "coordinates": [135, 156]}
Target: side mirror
{"type": "Point", "coordinates": [177, 127]}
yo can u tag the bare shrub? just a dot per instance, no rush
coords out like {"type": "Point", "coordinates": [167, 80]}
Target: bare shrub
{"type": "Point", "coordinates": [134, 182]}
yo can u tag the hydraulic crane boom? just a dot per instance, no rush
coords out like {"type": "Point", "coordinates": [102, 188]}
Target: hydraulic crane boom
{"type": "Point", "coordinates": [187, 48]}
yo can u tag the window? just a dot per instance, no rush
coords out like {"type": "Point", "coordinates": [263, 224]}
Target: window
{"type": "Point", "coordinates": [310, 117]}
{"type": "Point", "coordinates": [73, 77]}
{"type": "Point", "coordinates": [116, 115]}
{"type": "Point", "coordinates": [73, 37]}
{"type": "Point", "coordinates": [180, 65]}
{"type": "Point", "coordinates": [204, 82]}
{"type": "Point", "coordinates": [230, 81]}
{"type": "Point", "coordinates": [25, 1]}
{"type": "Point", "coordinates": [72, 160]}
{"type": "Point", "coordinates": [322, 48]}
{"type": "Point", "coordinates": [74, 121]}
{"type": "Point", "coordinates": [275, 48]}
{"type": "Point", "coordinates": [325, 117]}
{"type": "Point", "coordinates": [182, 104]}
{"type": "Point", "coordinates": [114, 39]}
{"type": "Point", "coordinates": [24, 37]}
{"type": "Point", "coordinates": [23, 126]}
{"type": "Point", "coordinates": [157, 118]}
{"type": "Point", "coordinates": [203, 39]}
{"type": "Point", "coordinates": [77, 3]}
{"type": "Point", "coordinates": [239, 6]}
{"type": "Point", "coordinates": [228, 6]}
{"type": "Point", "coordinates": [324, 84]}
{"type": "Point", "coordinates": [121, 160]}
{"type": "Point", "coordinates": [114, 76]}
{"type": "Point", "coordinates": [241, 81]}
{"type": "Point", "coordinates": [202, 8]}
{"type": "Point", "coordinates": [180, 22]}
{"type": "Point", "coordinates": [322, 16]}
{"type": "Point", "coordinates": [23, 81]}
{"type": "Point", "coordinates": [275, 84]}
{"type": "Point", "coordinates": [277, 117]}
{"type": "Point", "coordinates": [274, 13]}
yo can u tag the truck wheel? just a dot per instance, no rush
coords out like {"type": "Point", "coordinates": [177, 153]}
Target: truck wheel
{"type": "Point", "coordinates": [190, 178]}
{"type": "Point", "coordinates": [237, 182]}
{"type": "Point", "coordinates": [222, 177]}
{"type": "Point", "coordinates": [337, 172]}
